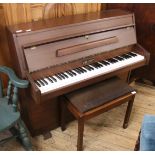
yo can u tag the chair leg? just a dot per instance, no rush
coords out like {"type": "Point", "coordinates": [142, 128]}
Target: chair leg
{"type": "Point", "coordinates": [137, 145]}
{"type": "Point", "coordinates": [80, 134]}
{"type": "Point", "coordinates": [128, 112]}
{"type": "Point", "coordinates": [24, 136]}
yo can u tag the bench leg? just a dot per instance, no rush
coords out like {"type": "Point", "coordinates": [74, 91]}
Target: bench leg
{"type": "Point", "coordinates": [62, 114]}
{"type": "Point", "coordinates": [80, 134]}
{"type": "Point", "coordinates": [128, 112]}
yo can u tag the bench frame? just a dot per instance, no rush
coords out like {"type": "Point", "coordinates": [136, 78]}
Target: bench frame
{"type": "Point", "coordinates": [82, 117]}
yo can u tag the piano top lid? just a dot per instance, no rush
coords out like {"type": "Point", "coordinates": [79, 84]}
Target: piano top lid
{"type": "Point", "coordinates": [66, 20]}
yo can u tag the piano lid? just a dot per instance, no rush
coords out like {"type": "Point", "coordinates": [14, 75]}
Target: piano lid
{"type": "Point", "coordinates": [66, 20]}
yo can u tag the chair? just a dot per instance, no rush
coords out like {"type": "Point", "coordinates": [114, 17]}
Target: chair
{"type": "Point", "coordinates": [9, 115]}
{"type": "Point", "coordinates": [146, 138]}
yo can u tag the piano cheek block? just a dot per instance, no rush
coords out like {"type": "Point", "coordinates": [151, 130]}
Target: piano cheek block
{"type": "Point", "coordinates": [86, 46]}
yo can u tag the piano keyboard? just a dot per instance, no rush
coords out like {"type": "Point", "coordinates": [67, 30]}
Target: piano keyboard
{"type": "Point", "coordinates": [79, 74]}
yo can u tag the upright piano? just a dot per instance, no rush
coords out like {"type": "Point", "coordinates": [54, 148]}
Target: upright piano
{"type": "Point", "coordinates": [60, 55]}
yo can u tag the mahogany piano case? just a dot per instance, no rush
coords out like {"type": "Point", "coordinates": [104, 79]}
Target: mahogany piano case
{"type": "Point", "coordinates": [56, 48]}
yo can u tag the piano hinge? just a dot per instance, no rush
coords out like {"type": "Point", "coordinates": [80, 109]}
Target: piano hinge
{"type": "Point", "coordinates": [33, 47]}
{"type": "Point", "coordinates": [28, 30]}
{"type": "Point", "coordinates": [19, 31]}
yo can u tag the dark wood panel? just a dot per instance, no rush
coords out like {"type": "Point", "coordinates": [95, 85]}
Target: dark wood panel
{"type": "Point", "coordinates": [122, 6]}
{"type": "Point", "coordinates": [145, 27]}
{"type": "Point", "coordinates": [40, 118]}
{"type": "Point", "coordinates": [145, 21]}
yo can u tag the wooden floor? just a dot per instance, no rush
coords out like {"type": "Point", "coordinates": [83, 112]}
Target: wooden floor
{"type": "Point", "coordinates": [104, 132]}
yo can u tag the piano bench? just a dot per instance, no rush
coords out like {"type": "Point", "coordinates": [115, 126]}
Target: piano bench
{"type": "Point", "coordinates": [93, 100]}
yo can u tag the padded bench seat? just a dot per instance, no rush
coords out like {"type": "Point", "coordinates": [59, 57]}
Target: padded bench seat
{"type": "Point", "coordinates": [98, 94]}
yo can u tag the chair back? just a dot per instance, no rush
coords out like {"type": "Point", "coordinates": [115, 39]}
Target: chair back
{"type": "Point", "coordinates": [13, 84]}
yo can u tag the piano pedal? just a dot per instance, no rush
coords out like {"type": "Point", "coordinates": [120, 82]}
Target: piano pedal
{"type": "Point", "coordinates": [47, 135]}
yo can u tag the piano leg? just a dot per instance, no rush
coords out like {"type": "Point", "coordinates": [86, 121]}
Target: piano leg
{"type": "Point", "coordinates": [47, 135]}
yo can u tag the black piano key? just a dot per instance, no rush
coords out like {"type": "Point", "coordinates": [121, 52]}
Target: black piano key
{"type": "Point", "coordinates": [128, 55]}
{"type": "Point", "coordinates": [99, 64]}
{"type": "Point", "coordinates": [60, 78]}
{"type": "Point", "coordinates": [91, 67]}
{"type": "Point", "coordinates": [132, 54]}
{"type": "Point", "coordinates": [105, 63]}
{"type": "Point", "coordinates": [111, 60]}
{"type": "Point", "coordinates": [42, 83]}
{"type": "Point", "coordinates": [54, 79]}
{"type": "Point", "coordinates": [119, 58]}
{"type": "Point", "coordinates": [66, 76]}
{"type": "Point", "coordinates": [77, 70]}
{"type": "Point", "coordinates": [61, 75]}
{"type": "Point", "coordinates": [125, 56]}
{"type": "Point", "coordinates": [122, 57]}
{"type": "Point", "coordinates": [82, 71]}
{"type": "Point", "coordinates": [49, 79]}
{"type": "Point", "coordinates": [45, 81]}
{"type": "Point", "coordinates": [69, 73]}
{"type": "Point", "coordinates": [94, 65]}
{"type": "Point", "coordinates": [115, 60]}
{"type": "Point", "coordinates": [88, 68]}
{"type": "Point", "coordinates": [72, 72]}
{"type": "Point", "coordinates": [37, 83]}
